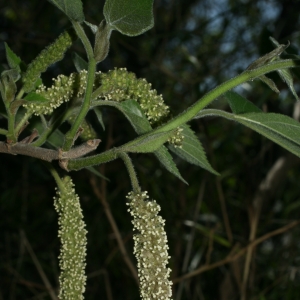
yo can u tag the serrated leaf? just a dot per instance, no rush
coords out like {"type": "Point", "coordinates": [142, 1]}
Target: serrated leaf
{"type": "Point", "coordinates": [239, 104]}
{"type": "Point", "coordinates": [192, 150]}
{"type": "Point", "coordinates": [99, 116]}
{"type": "Point", "coordinates": [132, 111]}
{"type": "Point", "coordinates": [13, 60]}
{"type": "Point", "coordinates": [72, 8]}
{"type": "Point", "coordinates": [79, 63]}
{"type": "Point", "coordinates": [167, 161]}
{"type": "Point", "coordinates": [281, 129]}
{"type": "Point", "coordinates": [34, 97]}
{"type": "Point", "coordinates": [130, 17]}
{"type": "Point", "coordinates": [147, 144]}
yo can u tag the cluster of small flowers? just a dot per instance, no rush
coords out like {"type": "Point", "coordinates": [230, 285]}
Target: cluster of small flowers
{"type": "Point", "coordinates": [63, 89]}
{"type": "Point", "coordinates": [120, 85]}
{"type": "Point", "coordinates": [150, 247]}
{"type": "Point", "coordinates": [47, 57]}
{"type": "Point", "coordinates": [72, 234]}
{"type": "Point", "coordinates": [177, 139]}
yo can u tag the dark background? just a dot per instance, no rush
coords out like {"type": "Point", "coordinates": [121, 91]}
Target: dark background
{"type": "Point", "coordinates": [194, 46]}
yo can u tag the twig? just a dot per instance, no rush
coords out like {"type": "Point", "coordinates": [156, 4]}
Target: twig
{"type": "Point", "coordinates": [232, 257]}
{"type": "Point", "coordinates": [114, 227]}
{"type": "Point", "coordinates": [49, 154]}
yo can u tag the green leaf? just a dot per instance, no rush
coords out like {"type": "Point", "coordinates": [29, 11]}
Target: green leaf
{"type": "Point", "coordinates": [148, 143]}
{"type": "Point", "coordinates": [34, 97]}
{"type": "Point", "coordinates": [286, 77]}
{"type": "Point", "coordinates": [240, 105]}
{"type": "Point", "coordinates": [192, 150]}
{"type": "Point", "coordinates": [281, 129]}
{"type": "Point", "coordinates": [79, 63]}
{"type": "Point", "coordinates": [130, 17]}
{"type": "Point", "coordinates": [132, 111]}
{"type": "Point", "coordinates": [285, 74]}
{"type": "Point", "coordinates": [167, 161]}
{"type": "Point", "coordinates": [72, 8]}
{"type": "Point", "coordinates": [270, 83]}
{"type": "Point", "coordinates": [99, 116]}
{"type": "Point", "coordinates": [13, 60]}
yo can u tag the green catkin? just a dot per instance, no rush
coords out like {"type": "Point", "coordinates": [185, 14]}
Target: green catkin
{"type": "Point", "coordinates": [72, 234]}
{"type": "Point", "coordinates": [47, 57]}
{"type": "Point", "coordinates": [119, 85]}
{"type": "Point", "coordinates": [64, 89]}
{"type": "Point", "coordinates": [150, 247]}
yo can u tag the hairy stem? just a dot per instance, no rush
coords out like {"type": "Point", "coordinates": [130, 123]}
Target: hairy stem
{"type": "Point", "coordinates": [130, 168]}
{"type": "Point", "coordinates": [89, 87]}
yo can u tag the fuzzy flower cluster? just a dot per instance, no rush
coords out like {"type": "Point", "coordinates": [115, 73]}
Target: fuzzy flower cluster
{"type": "Point", "coordinates": [63, 89]}
{"type": "Point", "coordinates": [47, 57]}
{"type": "Point", "coordinates": [177, 139]}
{"type": "Point", "coordinates": [150, 247]}
{"type": "Point", "coordinates": [120, 85]}
{"type": "Point", "coordinates": [72, 234]}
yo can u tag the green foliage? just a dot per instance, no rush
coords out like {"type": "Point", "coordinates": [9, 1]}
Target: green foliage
{"type": "Point", "coordinates": [13, 60]}
{"type": "Point", "coordinates": [49, 123]}
{"type": "Point", "coordinates": [72, 8]}
{"type": "Point", "coordinates": [130, 17]}
{"type": "Point", "coordinates": [240, 105]}
{"type": "Point", "coordinates": [281, 129]}
{"type": "Point", "coordinates": [192, 150]}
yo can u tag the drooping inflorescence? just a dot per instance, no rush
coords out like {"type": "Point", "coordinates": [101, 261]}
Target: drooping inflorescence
{"type": "Point", "coordinates": [72, 234]}
{"type": "Point", "coordinates": [150, 247]}
{"type": "Point", "coordinates": [63, 89]}
{"type": "Point", "coordinates": [120, 85]}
